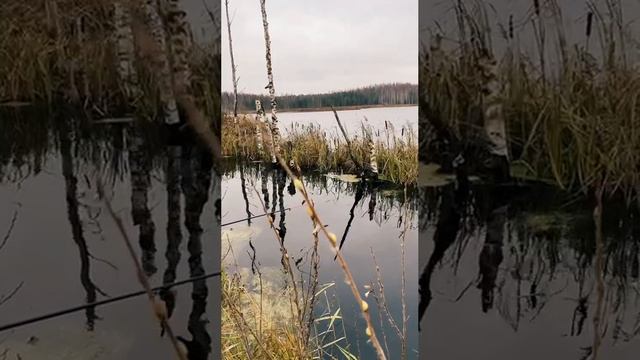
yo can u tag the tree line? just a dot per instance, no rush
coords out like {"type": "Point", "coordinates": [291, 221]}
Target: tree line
{"type": "Point", "coordinates": [384, 94]}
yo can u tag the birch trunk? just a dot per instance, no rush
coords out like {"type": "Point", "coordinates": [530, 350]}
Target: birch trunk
{"type": "Point", "coordinates": [180, 43]}
{"type": "Point", "coordinates": [373, 157]}
{"type": "Point", "coordinates": [260, 119]}
{"type": "Point", "coordinates": [169, 107]}
{"type": "Point", "coordinates": [125, 50]}
{"type": "Point", "coordinates": [275, 132]}
{"type": "Point", "coordinates": [494, 122]}
{"type": "Point", "coordinates": [373, 154]}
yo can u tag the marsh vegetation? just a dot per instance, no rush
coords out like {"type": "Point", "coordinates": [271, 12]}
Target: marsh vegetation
{"type": "Point", "coordinates": [563, 110]}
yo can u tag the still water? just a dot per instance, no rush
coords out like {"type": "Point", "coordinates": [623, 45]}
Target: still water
{"type": "Point", "coordinates": [364, 220]}
{"type": "Point", "coordinates": [400, 117]}
{"type": "Point", "coordinates": [507, 272]}
{"type": "Point", "coordinates": [62, 249]}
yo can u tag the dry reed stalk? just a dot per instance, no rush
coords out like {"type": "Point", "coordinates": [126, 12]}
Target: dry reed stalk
{"type": "Point", "coordinates": [381, 297]}
{"type": "Point", "coordinates": [320, 227]}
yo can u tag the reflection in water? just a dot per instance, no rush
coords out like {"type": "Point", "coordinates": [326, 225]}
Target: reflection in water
{"type": "Point", "coordinates": [491, 255]}
{"type": "Point", "coordinates": [40, 148]}
{"type": "Point", "coordinates": [535, 256]}
{"type": "Point", "coordinates": [281, 177]}
{"type": "Point", "coordinates": [243, 184]}
{"type": "Point", "coordinates": [449, 221]}
{"type": "Point", "coordinates": [188, 172]}
{"type": "Point", "coordinates": [347, 206]}
{"type": "Point", "coordinates": [174, 232]}
{"type": "Point", "coordinates": [196, 166]}
{"type": "Point", "coordinates": [356, 200]}
{"type": "Point", "coordinates": [140, 168]}
{"type": "Point", "coordinates": [71, 187]}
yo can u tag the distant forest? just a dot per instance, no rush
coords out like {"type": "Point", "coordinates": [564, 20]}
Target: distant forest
{"type": "Point", "coordinates": [385, 94]}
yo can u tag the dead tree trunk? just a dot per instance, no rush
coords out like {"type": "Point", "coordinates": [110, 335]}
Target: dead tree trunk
{"type": "Point", "coordinates": [235, 81]}
{"type": "Point", "coordinates": [275, 132]}
{"type": "Point", "coordinates": [233, 68]}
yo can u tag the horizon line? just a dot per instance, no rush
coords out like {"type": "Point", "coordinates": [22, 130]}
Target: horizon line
{"type": "Point", "coordinates": [326, 92]}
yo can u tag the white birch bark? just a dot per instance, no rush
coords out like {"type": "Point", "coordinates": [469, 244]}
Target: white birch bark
{"type": "Point", "coordinates": [125, 50]}
{"type": "Point", "coordinates": [180, 43]}
{"type": "Point", "coordinates": [275, 132]}
{"type": "Point", "coordinates": [259, 121]}
{"type": "Point", "coordinates": [170, 109]}
{"type": "Point", "coordinates": [494, 122]}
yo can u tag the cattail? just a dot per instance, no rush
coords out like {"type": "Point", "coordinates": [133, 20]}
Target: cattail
{"type": "Point", "coordinates": [589, 23]}
{"type": "Point", "coordinates": [536, 6]}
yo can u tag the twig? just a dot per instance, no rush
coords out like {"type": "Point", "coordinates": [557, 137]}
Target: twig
{"type": "Point", "coordinates": [6, 298]}
{"type": "Point", "coordinates": [10, 230]}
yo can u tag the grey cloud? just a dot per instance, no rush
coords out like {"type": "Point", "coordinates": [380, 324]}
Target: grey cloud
{"type": "Point", "coordinates": [320, 46]}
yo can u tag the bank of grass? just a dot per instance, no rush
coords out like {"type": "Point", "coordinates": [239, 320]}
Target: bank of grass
{"type": "Point", "coordinates": [313, 149]}
{"type": "Point", "coordinates": [575, 122]}
{"type": "Point", "coordinates": [44, 61]}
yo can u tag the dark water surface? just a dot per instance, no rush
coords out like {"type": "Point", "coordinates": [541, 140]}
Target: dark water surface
{"type": "Point", "coordinates": [508, 273]}
{"type": "Point", "coordinates": [62, 248]}
{"type": "Point", "coordinates": [370, 220]}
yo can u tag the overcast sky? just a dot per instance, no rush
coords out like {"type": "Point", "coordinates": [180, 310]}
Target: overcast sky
{"type": "Point", "coordinates": [322, 45]}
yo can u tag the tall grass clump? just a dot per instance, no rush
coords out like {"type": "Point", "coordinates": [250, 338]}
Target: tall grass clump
{"type": "Point", "coordinates": [313, 149]}
{"type": "Point", "coordinates": [571, 114]}
{"type": "Point", "coordinates": [64, 51]}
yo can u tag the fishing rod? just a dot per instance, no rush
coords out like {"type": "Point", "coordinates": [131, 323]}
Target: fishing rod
{"type": "Point", "coordinates": [101, 302]}
{"type": "Point", "coordinates": [255, 216]}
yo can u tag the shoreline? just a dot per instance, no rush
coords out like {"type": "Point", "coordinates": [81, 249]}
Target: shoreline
{"type": "Point", "coordinates": [338, 108]}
